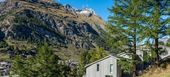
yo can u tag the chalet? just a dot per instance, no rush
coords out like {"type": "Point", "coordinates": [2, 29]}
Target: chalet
{"type": "Point", "coordinates": [109, 67]}
{"type": "Point", "coordinates": [105, 67]}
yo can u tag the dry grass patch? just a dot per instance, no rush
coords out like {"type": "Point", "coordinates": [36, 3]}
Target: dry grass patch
{"type": "Point", "coordinates": [157, 72]}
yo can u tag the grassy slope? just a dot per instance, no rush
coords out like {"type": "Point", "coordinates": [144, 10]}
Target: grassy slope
{"type": "Point", "coordinates": [158, 72]}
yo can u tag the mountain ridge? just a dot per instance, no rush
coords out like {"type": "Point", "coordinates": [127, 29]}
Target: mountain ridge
{"type": "Point", "coordinates": [25, 23]}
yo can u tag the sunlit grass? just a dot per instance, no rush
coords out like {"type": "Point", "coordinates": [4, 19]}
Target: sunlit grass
{"type": "Point", "coordinates": [153, 72]}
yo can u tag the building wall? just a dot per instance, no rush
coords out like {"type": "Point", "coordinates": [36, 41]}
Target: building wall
{"type": "Point", "coordinates": [104, 68]}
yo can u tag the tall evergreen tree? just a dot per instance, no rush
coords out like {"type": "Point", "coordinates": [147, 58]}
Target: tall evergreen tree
{"type": "Point", "coordinates": [44, 64]}
{"type": "Point", "coordinates": [125, 26]}
{"type": "Point", "coordinates": [156, 22]}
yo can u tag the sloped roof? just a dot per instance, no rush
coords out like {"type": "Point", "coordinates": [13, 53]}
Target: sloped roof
{"type": "Point", "coordinates": [100, 60]}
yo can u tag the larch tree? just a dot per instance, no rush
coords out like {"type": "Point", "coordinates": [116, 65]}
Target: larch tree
{"type": "Point", "coordinates": [157, 23]}
{"type": "Point", "coordinates": [125, 26]}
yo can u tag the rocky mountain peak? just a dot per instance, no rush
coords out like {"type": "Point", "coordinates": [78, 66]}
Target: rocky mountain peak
{"type": "Point", "coordinates": [25, 20]}
{"type": "Point", "coordinates": [24, 24]}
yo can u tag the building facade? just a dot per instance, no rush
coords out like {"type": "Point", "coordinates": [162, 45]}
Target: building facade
{"type": "Point", "coordinates": [105, 67]}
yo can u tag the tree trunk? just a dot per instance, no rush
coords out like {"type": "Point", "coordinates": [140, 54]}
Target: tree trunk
{"type": "Point", "coordinates": [157, 51]}
{"type": "Point", "coordinates": [134, 70]}
{"type": "Point", "coordinates": [134, 57]}
{"type": "Point", "coordinates": [157, 32]}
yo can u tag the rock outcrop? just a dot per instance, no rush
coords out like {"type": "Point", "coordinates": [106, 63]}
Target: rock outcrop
{"type": "Point", "coordinates": [36, 21]}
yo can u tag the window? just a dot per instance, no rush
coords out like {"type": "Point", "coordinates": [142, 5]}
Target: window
{"type": "Point", "coordinates": [111, 68]}
{"type": "Point", "coordinates": [97, 67]}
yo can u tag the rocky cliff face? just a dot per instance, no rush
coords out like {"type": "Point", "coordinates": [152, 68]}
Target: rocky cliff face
{"type": "Point", "coordinates": [29, 22]}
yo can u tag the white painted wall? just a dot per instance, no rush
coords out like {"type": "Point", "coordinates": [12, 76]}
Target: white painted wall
{"type": "Point", "coordinates": [104, 68]}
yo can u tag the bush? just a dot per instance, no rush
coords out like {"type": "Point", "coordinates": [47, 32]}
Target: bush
{"type": "Point", "coordinates": [44, 64]}
{"type": "Point", "coordinates": [3, 44]}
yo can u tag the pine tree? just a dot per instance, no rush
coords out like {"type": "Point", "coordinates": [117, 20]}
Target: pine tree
{"type": "Point", "coordinates": [157, 20]}
{"type": "Point", "coordinates": [44, 64]}
{"type": "Point", "coordinates": [125, 25]}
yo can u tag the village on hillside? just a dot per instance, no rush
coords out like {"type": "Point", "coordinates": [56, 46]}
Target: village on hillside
{"type": "Point", "coordinates": [55, 38]}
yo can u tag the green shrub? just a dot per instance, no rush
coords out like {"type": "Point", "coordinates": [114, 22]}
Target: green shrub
{"type": "Point", "coordinates": [3, 44]}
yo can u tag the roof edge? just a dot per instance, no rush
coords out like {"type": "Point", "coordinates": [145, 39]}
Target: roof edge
{"type": "Point", "coordinates": [99, 60]}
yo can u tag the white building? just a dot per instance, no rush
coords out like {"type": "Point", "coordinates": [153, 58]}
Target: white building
{"type": "Point", "coordinates": [105, 67]}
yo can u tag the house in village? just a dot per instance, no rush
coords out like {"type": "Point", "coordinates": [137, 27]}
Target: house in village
{"type": "Point", "coordinates": [105, 67]}
{"type": "Point", "coordinates": [109, 67]}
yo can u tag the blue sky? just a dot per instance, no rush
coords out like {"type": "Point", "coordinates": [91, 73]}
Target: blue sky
{"type": "Point", "coordinates": [100, 6]}
{"type": "Point", "coordinates": [2, 0]}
